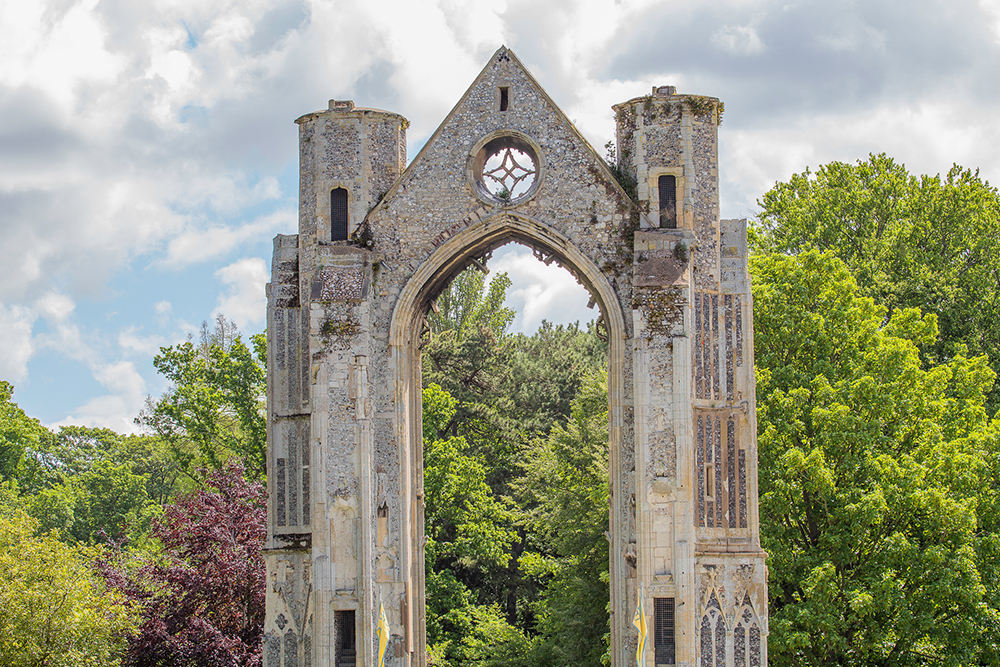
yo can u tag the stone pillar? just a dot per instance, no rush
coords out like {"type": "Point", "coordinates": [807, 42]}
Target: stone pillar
{"type": "Point", "coordinates": [695, 430]}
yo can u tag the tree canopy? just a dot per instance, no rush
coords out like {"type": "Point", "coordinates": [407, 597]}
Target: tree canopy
{"type": "Point", "coordinates": [55, 610]}
{"type": "Point", "coordinates": [927, 242]}
{"type": "Point", "coordinates": [875, 470]}
{"type": "Point", "coordinates": [214, 409]}
{"type": "Point", "coordinates": [202, 597]}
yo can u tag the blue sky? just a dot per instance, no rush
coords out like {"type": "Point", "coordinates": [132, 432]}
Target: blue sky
{"type": "Point", "coordinates": [148, 149]}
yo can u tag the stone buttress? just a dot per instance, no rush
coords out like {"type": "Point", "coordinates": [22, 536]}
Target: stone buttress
{"type": "Point", "coordinates": [378, 240]}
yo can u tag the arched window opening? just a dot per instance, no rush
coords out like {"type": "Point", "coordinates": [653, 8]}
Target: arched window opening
{"type": "Point", "coordinates": [746, 636]}
{"type": "Point", "coordinates": [338, 214]}
{"type": "Point", "coordinates": [668, 202]}
{"type": "Point", "coordinates": [712, 640]}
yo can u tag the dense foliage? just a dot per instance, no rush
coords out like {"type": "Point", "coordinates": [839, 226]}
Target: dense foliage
{"type": "Point", "coordinates": [515, 457]}
{"type": "Point", "coordinates": [872, 470]}
{"type": "Point", "coordinates": [202, 596]}
{"type": "Point", "coordinates": [214, 409]}
{"type": "Point", "coordinates": [927, 242]}
{"type": "Point", "coordinates": [55, 610]}
{"type": "Point", "coordinates": [879, 460]}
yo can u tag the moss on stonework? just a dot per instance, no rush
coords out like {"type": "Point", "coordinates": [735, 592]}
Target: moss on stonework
{"type": "Point", "coordinates": [661, 307]}
{"type": "Point", "coordinates": [699, 106]}
{"type": "Point", "coordinates": [362, 236]}
{"type": "Point", "coordinates": [340, 328]}
{"type": "Point", "coordinates": [627, 207]}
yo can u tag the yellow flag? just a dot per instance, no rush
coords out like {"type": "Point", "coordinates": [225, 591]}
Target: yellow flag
{"type": "Point", "coordinates": [640, 624]}
{"type": "Point", "coordinates": [382, 633]}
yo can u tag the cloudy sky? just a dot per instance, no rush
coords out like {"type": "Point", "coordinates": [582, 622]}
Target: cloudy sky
{"type": "Point", "coordinates": [148, 150]}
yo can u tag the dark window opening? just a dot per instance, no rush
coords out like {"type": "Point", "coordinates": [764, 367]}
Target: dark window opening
{"type": "Point", "coordinates": [338, 214]}
{"type": "Point", "coordinates": [504, 97]}
{"type": "Point", "coordinates": [346, 648]}
{"type": "Point", "coordinates": [663, 630]}
{"type": "Point", "coordinates": [668, 202]}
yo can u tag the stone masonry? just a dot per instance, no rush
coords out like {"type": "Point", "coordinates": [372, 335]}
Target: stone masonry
{"type": "Point", "coordinates": [345, 316]}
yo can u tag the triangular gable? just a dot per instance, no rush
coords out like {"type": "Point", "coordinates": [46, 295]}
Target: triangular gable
{"type": "Point", "coordinates": [512, 59]}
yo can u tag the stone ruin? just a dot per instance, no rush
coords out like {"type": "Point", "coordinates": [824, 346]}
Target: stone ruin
{"type": "Point", "coordinates": [379, 239]}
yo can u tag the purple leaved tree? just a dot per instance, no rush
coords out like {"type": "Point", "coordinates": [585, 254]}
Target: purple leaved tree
{"type": "Point", "coordinates": [203, 599]}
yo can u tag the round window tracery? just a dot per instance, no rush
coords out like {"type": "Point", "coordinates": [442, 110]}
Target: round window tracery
{"type": "Point", "coordinates": [506, 168]}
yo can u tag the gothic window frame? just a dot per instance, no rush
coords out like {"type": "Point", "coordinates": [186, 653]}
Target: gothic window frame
{"type": "Point", "coordinates": [494, 143]}
{"type": "Point", "coordinates": [653, 183]}
{"type": "Point", "coordinates": [747, 621]}
{"type": "Point", "coordinates": [334, 187]}
{"type": "Point", "coordinates": [714, 640]}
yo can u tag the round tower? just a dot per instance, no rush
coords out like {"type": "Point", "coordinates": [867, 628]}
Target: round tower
{"type": "Point", "coordinates": [668, 144]}
{"type": "Point", "coordinates": [348, 158]}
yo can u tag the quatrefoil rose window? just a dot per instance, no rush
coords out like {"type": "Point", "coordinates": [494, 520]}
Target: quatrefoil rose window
{"type": "Point", "coordinates": [506, 168]}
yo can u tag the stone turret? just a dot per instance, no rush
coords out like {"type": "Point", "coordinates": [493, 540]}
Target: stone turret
{"type": "Point", "coordinates": [360, 150]}
{"type": "Point", "coordinates": [667, 134]}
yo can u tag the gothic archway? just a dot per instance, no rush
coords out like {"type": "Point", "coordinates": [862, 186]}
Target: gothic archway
{"type": "Point", "coordinates": [408, 315]}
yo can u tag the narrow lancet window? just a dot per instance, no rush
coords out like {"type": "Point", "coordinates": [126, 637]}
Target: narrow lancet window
{"type": "Point", "coordinates": [504, 97]}
{"type": "Point", "coordinates": [338, 214]}
{"type": "Point", "coordinates": [668, 202]}
{"type": "Point", "coordinates": [663, 637]}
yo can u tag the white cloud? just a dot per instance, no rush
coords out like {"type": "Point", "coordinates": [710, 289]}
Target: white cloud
{"type": "Point", "coordinates": [201, 244]}
{"type": "Point", "coordinates": [56, 55]}
{"type": "Point", "coordinates": [540, 291]}
{"type": "Point", "coordinates": [115, 410]}
{"type": "Point", "coordinates": [927, 138]}
{"type": "Point", "coordinates": [141, 136]}
{"type": "Point", "coordinates": [992, 9]}
{"type": "Point", "coordinates": [738, 39]}
{"type": "Point", "coordinates": [244, 301]}
{"type": "Point", "coordinates": [55, 307]}
{"type": "Point", "coordinates": [131, 339]}
{"type": "Point", "coordinates": [16, 347]}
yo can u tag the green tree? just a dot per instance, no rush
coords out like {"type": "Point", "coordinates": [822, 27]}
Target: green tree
{"type": "Point", "coordinates": [215, 408]}
{"type": "Point", "coordinates": [564, 498]}
{"type": "Point", "coordinates": [92, 484]}
{"type": "Point", "coordinates": [468, 304]}
{"type": "Point", "coordinates": [18, 433]}
{"type": "Point", "coordinates": [872, 468]}
{"type": "Point", "coordinates": [465, 355]}
{"type": "Point", "coordinates": [911, 242]}
{"type": "Point", "coordinates": [469, 536]}
{"type": "Point", "coordinates": [499, 393]}
{"type": "Point", "coordinates": [545, 372]}
{"type": "Point", "coordinates": [54, 610]}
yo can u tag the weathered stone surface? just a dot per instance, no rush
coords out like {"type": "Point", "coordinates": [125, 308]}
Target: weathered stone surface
{"type": "Point", "coordinates": [346, 500]}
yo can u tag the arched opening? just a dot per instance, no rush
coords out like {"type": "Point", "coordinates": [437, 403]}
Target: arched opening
{"type": "Point", "coordinates": [448, 261]}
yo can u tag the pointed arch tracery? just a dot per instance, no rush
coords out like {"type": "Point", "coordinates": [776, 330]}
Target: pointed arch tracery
{"type": "Point", "coordinates": [448, 259]}
{"type": "Point", "coordinates": [746, 636]}
{"type": "Point", "coordinates": [712, 637]}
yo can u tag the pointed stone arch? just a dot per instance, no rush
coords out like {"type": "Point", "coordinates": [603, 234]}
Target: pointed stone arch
{"type": "Point", "coordinates": [712, 633]}
{"type": "Point", "coordinates": [746, 635]}
{"type": "Point", "coordinates": [411, 307]}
